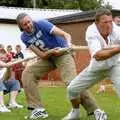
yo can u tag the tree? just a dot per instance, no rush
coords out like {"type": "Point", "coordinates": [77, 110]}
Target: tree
{"type": "Point", "coordinates": [11, 3]}
{"type": "Point", "coordinates": [57, 4]}
{"type": "Point", "coordinates": [90, 4]}
{"type": "Point", "coordinates": [20, 3]}
{"type": "Point", "coordinates": [107, 5]}
{"type": "Point", "coordinates": [71, 4]}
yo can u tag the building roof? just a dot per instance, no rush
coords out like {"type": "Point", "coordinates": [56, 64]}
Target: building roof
{"type": "Point", "coordinates": [80, 16]}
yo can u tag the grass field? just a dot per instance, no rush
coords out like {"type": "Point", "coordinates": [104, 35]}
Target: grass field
{"type": "Point", "coordinates": [57, 105]}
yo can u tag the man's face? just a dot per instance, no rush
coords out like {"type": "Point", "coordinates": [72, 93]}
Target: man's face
{"type": "Point", "coordinates": [26, 24]}
{"type": "Point", "coordinates": [105, 25]}
{"type": "Point", "coordinates": [117, 21]}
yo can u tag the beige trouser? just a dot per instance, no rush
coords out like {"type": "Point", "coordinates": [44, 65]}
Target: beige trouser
{"type": "Point", "coordinates": [32, 74]}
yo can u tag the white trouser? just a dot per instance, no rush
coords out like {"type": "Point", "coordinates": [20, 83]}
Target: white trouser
{"type": "Point", "coordinates": [89, 77]}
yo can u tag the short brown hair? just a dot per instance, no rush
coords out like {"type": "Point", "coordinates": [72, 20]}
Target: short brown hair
{"type": "Point", "coordinates": [100, 12]}
{"type": "Point", "coordinates": [2, 50]}
{"type": "Point", "coordinates": [18, 46]}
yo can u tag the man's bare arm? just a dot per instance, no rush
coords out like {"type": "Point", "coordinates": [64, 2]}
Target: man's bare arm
{"type": "Point", "coordinates": [10, 64]}
{"type": "Point", "coordinates": [107, 53]}
{"type": "Point", "coordinates": [60, 32]}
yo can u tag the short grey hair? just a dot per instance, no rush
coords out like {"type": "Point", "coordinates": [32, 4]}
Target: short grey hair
{"type": "Point", "coordinates": [19, 17]}
{"type": "Point", "coordinates": [100, 12]}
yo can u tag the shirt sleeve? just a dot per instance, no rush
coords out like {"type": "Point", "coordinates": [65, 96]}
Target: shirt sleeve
{"type": "Point", "coordinates": [25, 40]}
{"type": "Point", "coordinates": [46, 25]}
{"type": "Point", "coordinates": [93, 42]}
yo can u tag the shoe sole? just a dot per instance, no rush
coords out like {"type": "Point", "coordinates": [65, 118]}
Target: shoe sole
{"type": "Point", "coordinates": [28, 118]}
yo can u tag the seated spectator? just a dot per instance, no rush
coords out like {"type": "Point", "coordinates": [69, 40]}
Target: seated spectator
{"type": "Point", "coordinates": [3, 108]}
{"type": "Point", "coordinates": [8, 84]}
{"type": "Point", "coordinates": [12, 87]}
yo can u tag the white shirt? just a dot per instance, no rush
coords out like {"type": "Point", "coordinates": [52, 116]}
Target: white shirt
{"type": "Point", "coordinates": [96, 43]}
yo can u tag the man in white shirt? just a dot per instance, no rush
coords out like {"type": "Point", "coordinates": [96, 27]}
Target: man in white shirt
{"type": "Point", "coordinates": [103, 41]}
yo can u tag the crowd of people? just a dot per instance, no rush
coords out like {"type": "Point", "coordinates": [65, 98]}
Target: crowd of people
{"type": "Point", "coordinates": [103, 41]}
{"type": "Point", "coordinates": [9, 82]}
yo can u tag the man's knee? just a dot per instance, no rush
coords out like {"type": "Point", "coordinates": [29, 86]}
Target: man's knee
{"type": "Point", "coordinates": [72, 92]}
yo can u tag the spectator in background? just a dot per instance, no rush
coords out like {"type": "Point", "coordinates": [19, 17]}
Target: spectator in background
{"type": "Point", "coordinates": [18, 68]}
{"type": "Point", "coordinates": [1, 46]}
{"type": "Point", "coordinates": [18, 53]}
{"type": "Point", "coordinates": [102, 87]}
{"type": "Point", "coordinates": [116, 20]}
{"type": "Point", "coordinates": [8, 84]}
{"type": "Point", "coordinates": [3, 53]}
{"type": "Point", "coordinates": [10, 53]}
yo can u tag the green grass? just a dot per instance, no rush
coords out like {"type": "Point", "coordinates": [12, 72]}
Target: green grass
{"type": "Point", "coordinates": [57, 104]}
